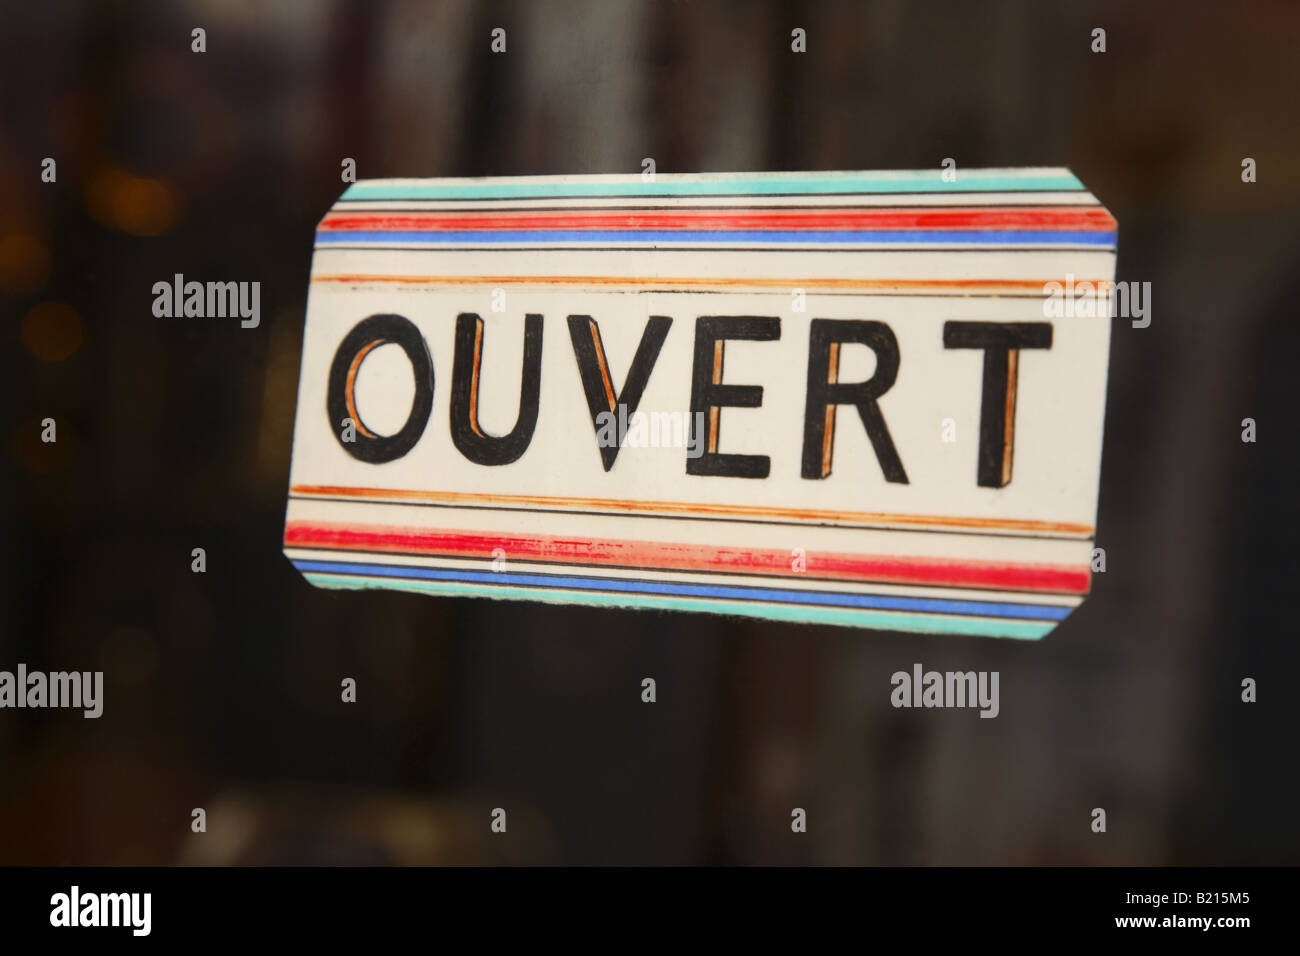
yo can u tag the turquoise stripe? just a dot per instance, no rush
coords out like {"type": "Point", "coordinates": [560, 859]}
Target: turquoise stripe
{"type": "Point", "coordinates": [728, 184]}
{"type": "Point", "coordinates": [888, 621]}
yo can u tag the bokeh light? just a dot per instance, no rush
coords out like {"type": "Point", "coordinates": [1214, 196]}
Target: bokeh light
{"type": "Point", "coordinates": [53, 331]}
{"type": "Point", "coordinates": [132, 204]}
{"type": "Point", "coordinates": [24, 264]}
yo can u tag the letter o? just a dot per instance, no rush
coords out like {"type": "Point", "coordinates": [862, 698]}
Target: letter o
{"type": "Point", "coordinates": [367, 335]}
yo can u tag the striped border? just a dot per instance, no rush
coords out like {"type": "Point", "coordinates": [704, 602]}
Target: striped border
{"type": "Point", "coordinates": [995, 287]}
{"type": "Point", "coordinates": [629, 554]}
{"type": "Point", "coordinates": [793, 613]}
{"type": "Point", "coordinates": [371, 553]}
{"type": "Point", "coordinates": [694, 218]}
{"type": "Point", "coordinates": [874, 520]}
{"type": "Point", "coordinates": [840, 599]}
{"type": "Point", "coordinates": [1005, 226]}
{"type": "Point", "coordinates": [660, 237]}
{"type": "Point", "coordinates": [721, 184]}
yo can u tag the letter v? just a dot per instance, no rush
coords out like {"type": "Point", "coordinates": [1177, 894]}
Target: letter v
{"type": "Point", "coordinates": [594, 369]}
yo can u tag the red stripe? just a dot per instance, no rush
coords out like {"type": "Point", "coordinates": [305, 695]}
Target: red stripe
{"type": "Point", "coordinates": [1088, 219]}
{"type": "Point", "coordinates": [776, 562]}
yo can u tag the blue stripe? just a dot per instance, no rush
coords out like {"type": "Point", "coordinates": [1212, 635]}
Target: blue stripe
{"type": "Point", "coordinates": [1037, 612]}
{"type": "Point", "coordinates": [891, 237]}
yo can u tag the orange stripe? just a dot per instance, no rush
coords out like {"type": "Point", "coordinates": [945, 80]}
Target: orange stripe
{"type": "Point", "coordinates": [956, 286]}
{"type": "Point", "coordinates": [349, 389]}
{"type": "Point", "coordinates": [867, 519]}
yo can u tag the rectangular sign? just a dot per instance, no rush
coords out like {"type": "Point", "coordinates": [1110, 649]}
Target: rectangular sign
{"type": "Point", "coordinates": [841, 398]}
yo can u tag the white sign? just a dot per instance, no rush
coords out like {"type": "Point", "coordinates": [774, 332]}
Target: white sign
{"type": "Point", "coordinates": [826, 397]}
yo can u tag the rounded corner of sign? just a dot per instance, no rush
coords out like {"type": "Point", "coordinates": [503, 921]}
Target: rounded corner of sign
{"type": "Point", "coordinates": [1053, 629]}
{"type": "Point", "coordinates": [305, 574]}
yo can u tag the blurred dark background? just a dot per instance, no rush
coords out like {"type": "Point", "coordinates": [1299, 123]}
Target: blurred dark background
{"type": "Point", "coordinates": [222, 689]}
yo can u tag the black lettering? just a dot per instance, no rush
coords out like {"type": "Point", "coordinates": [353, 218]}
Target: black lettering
{"type": "Point", "coordinates": [340, 402]}
{"type": "Point", "coordinates": [1001, 342]}
{"type": "Point", "coordinates": [474, 443]}
{"type": "Point", "coordinates": [826, 391]}
{"type": "Point", "coordinates": [709, 395]}
{"type": "Point", "coordinates": [596, 381]}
